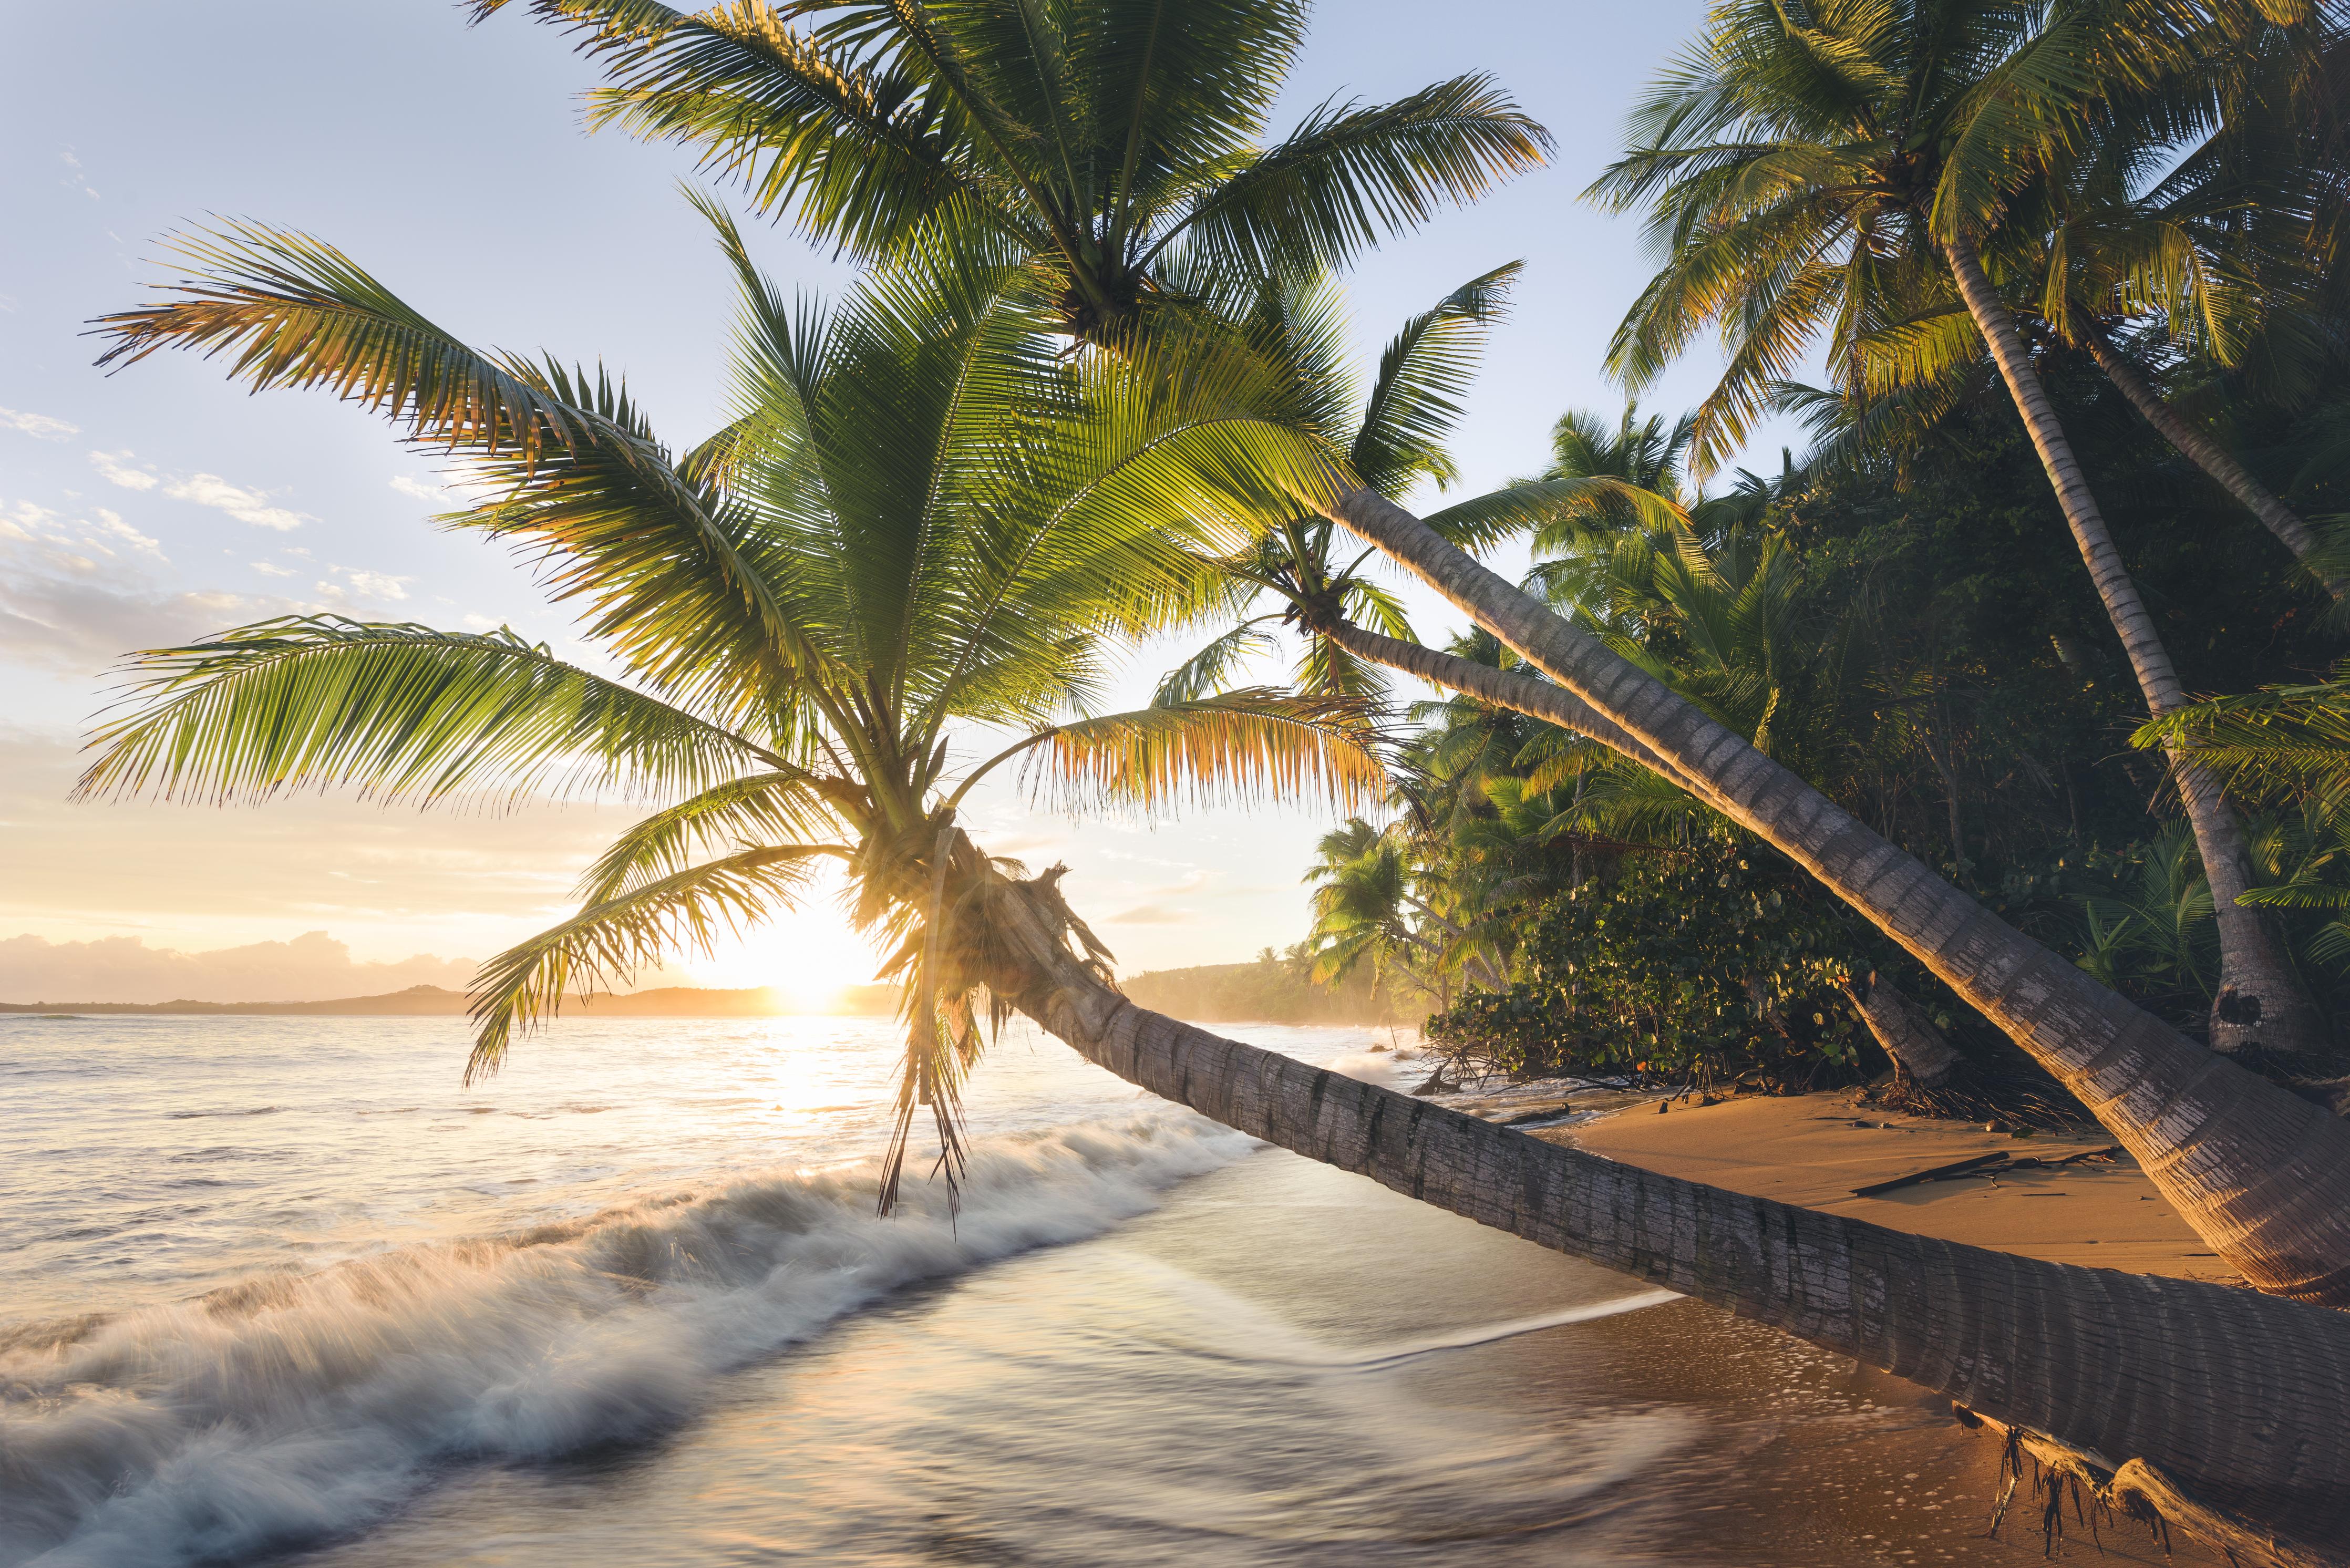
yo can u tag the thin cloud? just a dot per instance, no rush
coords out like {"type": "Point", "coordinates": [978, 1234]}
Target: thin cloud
{"type": "Point", "coordinates": [269, 569]}
{"type": "Point", "coordinates": [40, 427]}
{"type": "Point", "coordinates": [244, 506]}
{"type": "Point", "coordinates": [417, 489]}
{"type": "Point", "coordinates": [114, 467]}
{"type": "Point", "coordinates": [346, 582]}
{"type": "Point", "coordinates": [1154, 915]}
{"type": "Point", "coordinates": [211, 490]}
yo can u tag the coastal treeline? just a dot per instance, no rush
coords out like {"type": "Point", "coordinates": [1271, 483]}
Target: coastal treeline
{"type": "Point", "coordinates": [1897, 742]}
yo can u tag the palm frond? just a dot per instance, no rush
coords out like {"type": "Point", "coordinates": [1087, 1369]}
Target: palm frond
{"type": "Point", "coordinates": [1240, 746]}
{"type": "Point", "coordinates": [684, 913]}
{"type": "Point", "coordinates": [397, 711]}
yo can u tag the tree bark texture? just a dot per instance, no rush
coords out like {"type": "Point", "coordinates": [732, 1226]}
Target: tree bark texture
{"type": "Point", "coordinates": [2260, 1002]}
{"type": "Point", "coordinates": [1898, 1024]}
{"type": "Point", "coordinates": [2262, 1176]}
{"type": "Point", "coordinates": [2244, 1400]}
{"type": "Point", "coordinates": [2210, 457]}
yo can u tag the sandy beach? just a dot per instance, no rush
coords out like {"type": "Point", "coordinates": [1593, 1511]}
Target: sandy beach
{"type": "Point", "coordinates": [1814, 1149]}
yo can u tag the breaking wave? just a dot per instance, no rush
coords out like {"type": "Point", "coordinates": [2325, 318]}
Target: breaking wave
{"type": "Point", "coordinates": [291, 1409]}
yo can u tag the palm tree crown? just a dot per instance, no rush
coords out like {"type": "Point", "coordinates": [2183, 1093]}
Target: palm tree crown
{"type": "Point", "coordinates": [1125, 139]}
{"type": "Point", "coordinates": [925, 524]}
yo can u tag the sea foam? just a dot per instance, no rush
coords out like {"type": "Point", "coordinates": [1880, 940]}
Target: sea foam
{"type": "Point", "coordinates": [290, 1409]}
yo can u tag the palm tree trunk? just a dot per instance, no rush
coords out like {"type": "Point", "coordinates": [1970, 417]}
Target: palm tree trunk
{"type": "Point", "coordinates": [2241, 1401]}
{"type": "Point", "coordinates": [2262, 1176]}
{"type": "Point", "coordinates": [1900, 1026]}
{"type": "Point", "coordinates": [2260, 1002]}
{"type": "Point", "coordinates": [2210, 457]}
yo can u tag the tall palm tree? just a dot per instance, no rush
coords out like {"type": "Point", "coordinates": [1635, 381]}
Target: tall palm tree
{"type": "Point", "coordinates": [924, 523]}
{"type": "Point", "coordinates": [1125, 140]}
{"type": "Point", "coordinates": [1810, 167]}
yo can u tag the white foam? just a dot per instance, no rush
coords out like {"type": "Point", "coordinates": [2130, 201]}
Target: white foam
{"type": "Point", "coordinates": [298, 1407]}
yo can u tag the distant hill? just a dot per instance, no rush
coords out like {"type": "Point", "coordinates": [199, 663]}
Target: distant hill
{"type": "Point", "coordinates": [435, 1001]}
{"type": "Point", "coordinates": [1265, 991]}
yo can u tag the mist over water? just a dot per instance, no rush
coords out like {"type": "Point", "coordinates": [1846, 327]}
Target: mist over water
{"type": "Point", "coordinates": [274, 1286]}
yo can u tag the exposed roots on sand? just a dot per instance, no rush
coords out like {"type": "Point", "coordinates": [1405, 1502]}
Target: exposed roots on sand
{"type": "Point", "coordinates": [2097, 1493]}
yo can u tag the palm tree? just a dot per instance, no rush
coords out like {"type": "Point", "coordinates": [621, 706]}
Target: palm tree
{"type": "Point", "coordinates": [2261, 1175]}
{"type": "Point", "coordinates": [924, 523]}
{"type": "Point", "coordinates": [1812, 169]}
{"type": "Point", "coordinates": [1122, 139]}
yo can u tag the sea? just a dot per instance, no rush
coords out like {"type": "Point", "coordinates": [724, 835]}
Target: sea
{"type": "Point", "coordinates": [285, 1291]}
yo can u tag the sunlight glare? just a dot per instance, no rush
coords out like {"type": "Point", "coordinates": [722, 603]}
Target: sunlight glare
{"type": "Point", "coordinates": [810, 957]}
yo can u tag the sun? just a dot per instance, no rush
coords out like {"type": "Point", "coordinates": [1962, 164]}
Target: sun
{"type": "Point", "coordinates": [810, 956]}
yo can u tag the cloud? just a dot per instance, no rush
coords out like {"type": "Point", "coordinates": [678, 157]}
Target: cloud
{"type": "Point", "coordinates": [74, 180]}
{"type": "Point", "coordinates": [72, 597]}
{"type": "Point", "coordinates": [270, 569]}
{"type": "Point", "coordinates": [112, 527]}
{"type": "Point", "coordinates": [201, 489]}
{"type": "Point", "coordinates": [356, 581]}
{"type": "Point", "coordinates": [417, 488]}
{"type": "Point", "coordinates": [244, 506]}
{"type": "Point", "coordinates": [313, 967]}
{"type": "Point", "coordinates": [114, 467]}
{"type": "Point", "coordinates": [1153, 915]}
{"type": "Point", "coordinates": [40, 427]}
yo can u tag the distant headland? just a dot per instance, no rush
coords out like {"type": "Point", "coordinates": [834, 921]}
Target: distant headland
{"type": "Point", "coordinates": [438, 1002]}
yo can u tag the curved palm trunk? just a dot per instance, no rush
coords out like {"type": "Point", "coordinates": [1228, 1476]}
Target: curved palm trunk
{"type": "Point", "coordinates": [2211, 457]}
{"type": "Point", "coordinates": [1893, 1019]}
{"type": "Point", "coordinates": [2241, 1401]}
{"type": "Point", "coordinates": [2262, 1176]}
{"type": "Point", "coordinates": [2261, 1003]}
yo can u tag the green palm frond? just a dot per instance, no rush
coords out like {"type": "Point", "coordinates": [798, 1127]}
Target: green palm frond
{"type": "Point", "coordinates": [1207, 672]}
{"type": "Point", "coordinates": [1243, 745]}
{"type": "Point", "coordinates": [763, 807]}
{"type": "Point", "coordinates": [1350, 176]}
{"type": "Point", "coordinates": [608, 943]}
{"type": "Point", "coordinates": [2281, 738]}
{"type": "Point", "coordinates": [396, 711]}
{"type": "Point", "coordinates": [1423, 372]}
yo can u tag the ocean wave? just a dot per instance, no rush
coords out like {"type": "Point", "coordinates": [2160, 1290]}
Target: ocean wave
{"type": "Point", "coordinates": [291, 1409]}
{"type": "Point", "coordinates": [236, 1111]}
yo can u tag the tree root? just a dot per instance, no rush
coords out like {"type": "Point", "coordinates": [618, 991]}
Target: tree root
{"type": "Point", "coordinates": [2099, 1493]}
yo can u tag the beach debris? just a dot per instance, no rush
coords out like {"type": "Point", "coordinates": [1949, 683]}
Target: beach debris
{"type": "Point", "coordinates": [1932, 1173]}
{"type": "Point", "coordinates": [1436, 1084]}
{"type": "Point", "coordinates": [1991, 1165]}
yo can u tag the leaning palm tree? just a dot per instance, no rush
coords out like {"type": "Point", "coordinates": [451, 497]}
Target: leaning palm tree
{"type": "Point", "coordinates": [1818, 170]}
{"type": "Point", "coordinates": [924, 528]}
{"type": "Point", "coordinates": [2261, 1175]}
{"type": "Point", "coordinates": [925, 524]}
{"type": "Point", "coordinates": [1121, 141]}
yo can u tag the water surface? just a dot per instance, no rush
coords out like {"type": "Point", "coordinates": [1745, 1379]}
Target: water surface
{"type": "Point", "coordinates": [283, 1288]}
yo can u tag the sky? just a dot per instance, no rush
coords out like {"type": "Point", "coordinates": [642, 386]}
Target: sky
{"type": "Point", "coordinates": [147, 507]}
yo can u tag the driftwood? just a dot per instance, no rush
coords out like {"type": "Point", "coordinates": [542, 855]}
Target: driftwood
{"type": "Point", "coordinates": [1986, 1165]}
{"type": "Point", "coordinates": [2097, 1492]}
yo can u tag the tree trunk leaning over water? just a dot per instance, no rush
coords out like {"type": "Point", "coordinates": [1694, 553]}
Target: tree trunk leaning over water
{"type": "Point", "coordinates": [2210, 457]}
{"type": "Point", "coordinates": [2261, 1175]}
{"type": "Point", "coordinates": [2260, 1000]}
{"type": "Point", "coordinates": [2241, 1401]}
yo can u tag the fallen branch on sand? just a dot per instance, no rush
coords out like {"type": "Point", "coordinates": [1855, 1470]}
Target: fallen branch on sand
{"type": "Point", "coordinates": [1988, 1165]}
